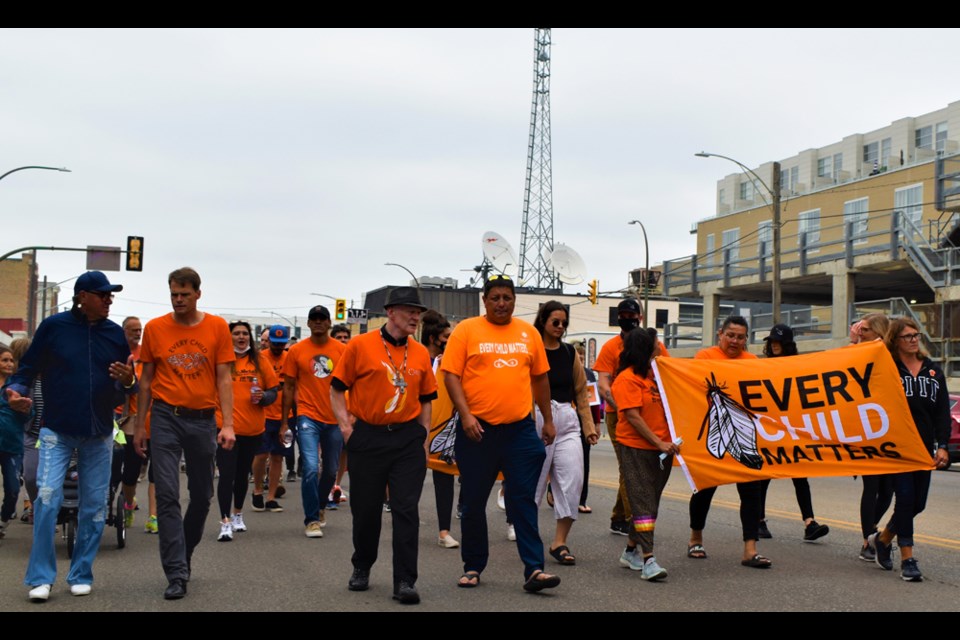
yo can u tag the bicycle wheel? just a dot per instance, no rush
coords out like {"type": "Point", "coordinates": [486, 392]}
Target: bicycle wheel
{"type": "Point", "coordinates": [71, 528]}
{"type": "Point", "coordinates": [119, 521]}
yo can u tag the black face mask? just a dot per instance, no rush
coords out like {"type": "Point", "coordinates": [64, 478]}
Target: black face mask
{"type": "Point", "coordinates": [628, 324]}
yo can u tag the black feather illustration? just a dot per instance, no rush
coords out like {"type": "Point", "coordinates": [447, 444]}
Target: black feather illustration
{"type": "Point", "coordinates": [442, 443]}
{"type": "Point", "coordinates": [732, 428]}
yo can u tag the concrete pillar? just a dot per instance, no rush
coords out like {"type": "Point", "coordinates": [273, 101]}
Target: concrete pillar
{"type": "Point", "coordinates": [844, 293]}
{"type": "Point", "coordinates": [711, 309]}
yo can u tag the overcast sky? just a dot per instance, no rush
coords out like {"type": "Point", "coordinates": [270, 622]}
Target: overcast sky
{"type": "Point", "coordinates": [284, 162]}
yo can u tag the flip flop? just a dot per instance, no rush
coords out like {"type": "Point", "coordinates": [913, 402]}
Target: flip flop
{"type": "Point", "coordinates": [539, 580]}
{"type": "Point", "coordinates": [469, 576]}
{"type": "Point", "coordinates": [757, 562]}
{"type": "Point", "coordinates": [697, 552]}
{"type": "Point", "coordinates": [584, 509]}
{"type": "Point", "coordinates": [563, 556]}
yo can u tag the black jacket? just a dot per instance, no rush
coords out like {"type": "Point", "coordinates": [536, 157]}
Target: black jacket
{"type": "Point", "coordinates": [929, 402]}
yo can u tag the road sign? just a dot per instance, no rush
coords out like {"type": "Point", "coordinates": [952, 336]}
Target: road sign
{"type": "Point", "coordinates": [103, 258]}
{"type": "Point", "coordinates": [356, 315]}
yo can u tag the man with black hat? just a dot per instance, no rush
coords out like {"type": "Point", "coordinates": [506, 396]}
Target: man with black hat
{"type": "Point", "coordinates": [306, 377]}
{"type": "Point", "coordinates": [86, 370]}
{"type": "Point", "coordinates": [391, 385]}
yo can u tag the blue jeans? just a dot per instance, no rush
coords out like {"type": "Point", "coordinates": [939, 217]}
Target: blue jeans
{"type": "Point", "coordinates": [517, 451]}
{"type": "Point", "coordinates": [93, 469]}
{"type": "Point", "coordinates": [313, 490]}
{"type": "Point", "coordinates": [10, 466]}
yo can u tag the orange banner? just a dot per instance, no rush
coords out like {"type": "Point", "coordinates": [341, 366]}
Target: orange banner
{"type": "Point", "coordinates": [833, 413]}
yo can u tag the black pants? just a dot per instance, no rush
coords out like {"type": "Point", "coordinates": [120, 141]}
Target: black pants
{"type": "Point", "coordinates": [874, 501]}
{"type": "Point", "coordinates": [443, 491]}
{"type": "Point", "coordinates": [749, 508]}
{"type": "Point", "coordinates": [801, 486]}
{"type": "Point", "coordinates": [234, 466]}
{"type": "Point", "coordinates": [378, 456]}
{"type": "Point", "coordinates": [586, 470]}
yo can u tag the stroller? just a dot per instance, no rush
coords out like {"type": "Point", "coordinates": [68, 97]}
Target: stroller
{"type": "Point", "coordinates": [70, 509]}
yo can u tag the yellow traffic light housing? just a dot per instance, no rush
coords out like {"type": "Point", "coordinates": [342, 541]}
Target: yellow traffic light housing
{"type": "Point", "coordinates": [341, 310]}
{"type": "Point", "coordinates": [134, 253]}
{"type": "Point", "coordinates": [592, 288]}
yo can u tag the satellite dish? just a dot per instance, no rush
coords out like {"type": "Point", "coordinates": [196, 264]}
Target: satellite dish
{"type": "Point", "coordinates": [567, 264]}
{"type": "Point", "coordinates": [499, 254]}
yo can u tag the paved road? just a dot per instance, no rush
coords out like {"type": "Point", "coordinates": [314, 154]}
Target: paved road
{"type": "Point", "coordinates": [273, 567]}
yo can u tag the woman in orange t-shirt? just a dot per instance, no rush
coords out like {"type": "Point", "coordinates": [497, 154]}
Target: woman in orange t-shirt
{"type": "Point", "coordinates": [255, 386]}
{"type": "Point", "coordinates": [644, 437]}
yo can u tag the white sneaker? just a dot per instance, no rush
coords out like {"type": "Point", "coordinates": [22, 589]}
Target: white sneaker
{"type": "Point", "coordinates": [226, 532]}
{"type": "Point", "coordinates": [237, 522]}
{"type": "Point", "coordinates": [80, 589]}
{"type": "Point", "coordinates": [511, 533]}
{"type": "Point", "coordinates": [313, 530]}
{"type": "Point", "coordinates": [448, 542]}
{"type": "Point", "coordinates": [39, 593]}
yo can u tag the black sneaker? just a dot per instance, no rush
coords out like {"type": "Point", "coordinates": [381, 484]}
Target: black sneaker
{"type": "Point", "coordinates": [359, 580]}
{"type": "Point", "coordinates": [814, 531]}
{"type": "Point", "coordinates": [273, 505]}
{"type": "Point", "coordinates": [291, 476]}
{"type": "Point", "coordinates": [620, 527]}
{"type": "Point", "coordinates": [257, 502]}
{"type": "Point", "coordinates": [763, 532]}
{"type": "Point", "coordinates": [909, 571]}
{"type": "Point", "coordinates": [406, 593]}
{"type": "Point", "coordinates": [884, 552]}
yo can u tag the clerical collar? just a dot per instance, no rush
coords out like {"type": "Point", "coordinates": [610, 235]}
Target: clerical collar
{"type": "Point", "coordinates": [389, 338]}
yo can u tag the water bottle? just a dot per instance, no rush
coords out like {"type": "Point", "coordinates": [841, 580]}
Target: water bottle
{"type": "Point", "coordinates": [288, 438]}
{"type": "Point", "coordinates": [254, 390]}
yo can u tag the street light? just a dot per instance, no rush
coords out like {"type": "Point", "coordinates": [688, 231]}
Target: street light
{"type": "Point", "coordinates": [293, 323]}
{"type": "Point", "coordinates": [775, 206]}
{"type": "Point", "coordinates": [646, 273]}
{"type": "Point", "coordinates": [394, 264]}
{"type": "Point", "coordinates": [35, 167]}
{"type": "Point", "coordinates": [323, 295]}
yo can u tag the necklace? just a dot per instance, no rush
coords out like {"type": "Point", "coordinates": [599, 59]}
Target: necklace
{"type": "Point", "coordinates": [398, 380]}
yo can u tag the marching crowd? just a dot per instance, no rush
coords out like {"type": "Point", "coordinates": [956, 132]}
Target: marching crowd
{"type": "Point", "coordinates": [493, 397]}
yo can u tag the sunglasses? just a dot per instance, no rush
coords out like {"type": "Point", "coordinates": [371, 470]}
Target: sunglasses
{"type": "Point", "coordinates": [103, 295]}
{"type": "Point", "coordinates": [498, 276]}
{"type": "Point", "coordinates": [557, 323]}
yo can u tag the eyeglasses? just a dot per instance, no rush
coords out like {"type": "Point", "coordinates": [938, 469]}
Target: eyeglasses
{"type": "Point", "coordinates": [910, 337]}
{"type": "Point", "coordinates": [498, 276]}
{"type": "Point", "coordinates": [106, 296]}
{"type": "Point", "coordinates": [557, 323]}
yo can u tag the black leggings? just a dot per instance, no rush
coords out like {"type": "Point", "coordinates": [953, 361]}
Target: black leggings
{"type": "Point", "coordinates": [749, 508]}
{"type": "Point", "coordinates": [586, 469]}
{"type": "Point", "coordinates": [874, 501]}
{"type": "Point", "coordinates": [234, 466]}
{"type": "Point", "coordinates": [443, 491]}
{"type": "Point", "coordinates": [801, 486]}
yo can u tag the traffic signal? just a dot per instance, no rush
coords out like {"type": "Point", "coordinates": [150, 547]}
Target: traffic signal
{"type": "Point", "coordinates": [134, 253]}
{"type": "Point", "coordinates": [341, 310]}
{"type": "Point", "coordinates": [592, 288]}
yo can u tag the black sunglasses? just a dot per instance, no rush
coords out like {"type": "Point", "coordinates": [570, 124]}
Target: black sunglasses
{"type": "Point", "coordinates": [557, 323]}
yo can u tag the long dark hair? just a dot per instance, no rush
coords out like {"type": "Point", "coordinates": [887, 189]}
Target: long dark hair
{"type": "Point", "coordinates": [253, 354]}
{"type": "Point", "coordinates": [637, 352]}
{"type": "Point", "coordinates": [432, 325]}
{"type": "Point", "coordinates": [540, 323]}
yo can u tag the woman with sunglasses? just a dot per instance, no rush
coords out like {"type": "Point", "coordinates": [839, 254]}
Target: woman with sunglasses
{"type": "Point", "coordinates": [255, 386]}
{"type": "Point", "coordinates": [570, 406]}
{"type": "Point", "coordinates": [926, 389]}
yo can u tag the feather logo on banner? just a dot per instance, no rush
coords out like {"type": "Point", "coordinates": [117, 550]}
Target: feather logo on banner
{"type": "Point", "coordinates": [732, 429]}
{"type": "Point", "coordinates": [443, 443]}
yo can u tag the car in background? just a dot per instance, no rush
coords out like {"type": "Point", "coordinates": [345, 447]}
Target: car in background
{"type": "Point", "coordinates": [953, 445]}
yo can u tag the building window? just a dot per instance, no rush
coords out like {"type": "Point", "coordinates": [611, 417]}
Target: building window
{"type": "Point", "coordinates": [809, 226]}
{"type": "Point", "coordinates": [871, 153]}
{"type": "Point", "coordinates": [765, 239]}
{"type": "Point", "coordinates": [886, 148]}
{"type": "Point", "coordinates": [662, 317]}
{"type": "Point", "coordinates": [825, 167]}
{"type": "Point", "coordinates": [941, 136]}
{"type": "Point", "coordinates": [923, 137]}
{"type": "Point", "coordinates": [789, 178]}
{"type": "Point", "coordinates": [746, 190]}
{"type": "Point", "coordinates": [909, 202]}
{"type": "Point", "coordinates": [710, 248]}
{"type": "Point", "coordinates": [837, 165]}
{"type": "Point", "coordinates": [722, 196]}
{"type": "Point", "coordinates": [731, 242]}
{"type": "Point", "coordinates": [856, 211]}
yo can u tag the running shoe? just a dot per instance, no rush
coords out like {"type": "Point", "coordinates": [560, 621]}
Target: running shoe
{"type": "Point", "coordinates": [652, 570]}
{"type": "Point", "coordinates": [237, 522]}
{"type": "Point", "coordinates": [884, 552]}
{"type": "Point", "coordinates": [909, 571]}
{"type": "Point", "coordinates": [256, 502]}
{"type": "Point", "coordinates": [151, 525]}
{"type": "Point", "coordinates": [511, 533]}
{"type": "Point", "coordinates": [815, 530]}
{"type": "Point", "coordinates": [273, 505]}
{"type": "Point", "coordinates": [631, 559]}
{"type": "Point", "coordinates": [128, 510]}
{"type": "Point", "coordinates": [313, 530]}
{"type": "Point", "coordinates": [226, 532]}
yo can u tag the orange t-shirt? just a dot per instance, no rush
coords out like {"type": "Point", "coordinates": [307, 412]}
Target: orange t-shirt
{"type": "Point", "coordinates": [495, 364]}
{"type": "Point", "coordinates": [630, 391]}
{"type": "Point", "coordinates": [311, 365]}
{"type": "Point", "coordinates": [186, 358]}
{"type": "Point", "coordinates": [273, 411]}
{"type": "Point", "coordinates": [716, 353]}
{"type": "Point", "coordinates": [369, 374]}
{"type": "Point", "coordinates": [249, 418]}
{"type": "Point", "coordinates": [608, 361]}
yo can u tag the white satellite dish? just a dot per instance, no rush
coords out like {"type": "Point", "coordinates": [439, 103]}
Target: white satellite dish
{"type": "Point", "coordinates": [567, 264]}
{"type": "Point", "coordinates": [498, 252]}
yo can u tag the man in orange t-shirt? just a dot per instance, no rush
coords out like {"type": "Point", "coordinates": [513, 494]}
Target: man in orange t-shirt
{"type": "Point", "coordinates": [186, 359]}
{"type": "Point", "coordinates": [306, 377]}
{"type": "Point", "coordinates": [732, 337]}
{"type": "Point", "coordinates": [391, 383]}
{"type": "Point", "coordinates": [272, 444]}
{"type": "Point", "coordinates": [495, 366]}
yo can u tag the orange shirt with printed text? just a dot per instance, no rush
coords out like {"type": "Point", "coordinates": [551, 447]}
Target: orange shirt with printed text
{"type": "Point", "coordinates": [186, 358]}
{"type": "Point", "coordinates": [249, 418]}
{"type": "Point", "coordinates": [630, 391]}
{"type": "Point", "coordinates": [495, 364]}
{"type": "Point", "coordinates": [311, 365]}
{"type": "Point", "coordinates": [367, 370]}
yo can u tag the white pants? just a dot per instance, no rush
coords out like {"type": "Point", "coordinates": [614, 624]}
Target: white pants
{"type": "Point", "coordinates": [564, 461]}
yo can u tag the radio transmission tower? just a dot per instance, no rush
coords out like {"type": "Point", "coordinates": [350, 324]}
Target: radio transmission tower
{"type": "Point", "coordinates": [536, 233]}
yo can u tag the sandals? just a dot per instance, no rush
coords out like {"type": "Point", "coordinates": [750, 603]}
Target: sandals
{"type": "Point", "coordinates": [470, 577]}
{"type": "Point", "coordinates": [757, 562]}
{"type": "Point", "coordinates": [697, 552]}
{"type": "Point", "coordinates": [539, 580]}
{"type": "Point", "coordinates": [563, 556]}
{"type": "Point", "coordinates": [584, 509]}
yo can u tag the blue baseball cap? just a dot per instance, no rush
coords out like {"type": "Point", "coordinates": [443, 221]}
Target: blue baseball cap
{"type": "Point", "coordinates": [279, 334]}
{"type": "Point", "coordinates": [95, 281]}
